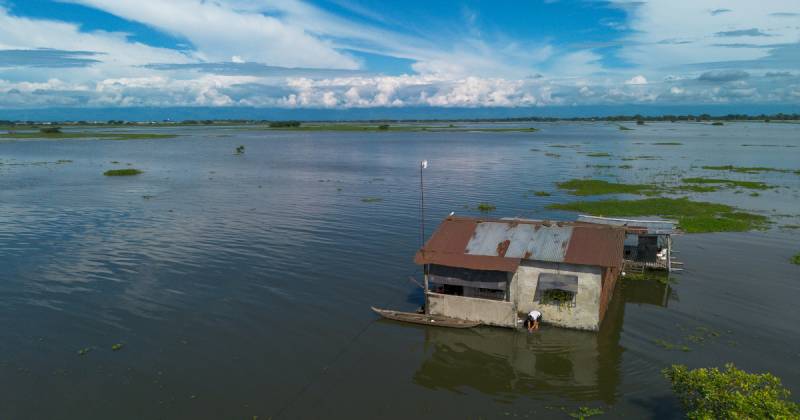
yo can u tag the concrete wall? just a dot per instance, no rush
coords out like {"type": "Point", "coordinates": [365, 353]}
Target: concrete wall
{"type": "Point", "coordinates": [585, 315]}
{"type": "Point", "coordinates": [489, 312]}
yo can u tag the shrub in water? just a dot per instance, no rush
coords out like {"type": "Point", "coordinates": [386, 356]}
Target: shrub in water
{"type": "Point", "coordinates": [710, 393]}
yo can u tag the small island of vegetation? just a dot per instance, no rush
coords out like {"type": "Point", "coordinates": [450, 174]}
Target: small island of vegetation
{"type": "Point", "coordinates": [122, 172]}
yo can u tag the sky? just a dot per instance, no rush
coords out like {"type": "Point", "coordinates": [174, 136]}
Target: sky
{"type": "Point", "coordinates": [412, 54]}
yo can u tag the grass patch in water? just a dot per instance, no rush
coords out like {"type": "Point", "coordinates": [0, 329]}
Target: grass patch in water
{"type": "Point", "coordinates": [623, 128]}
{"type": "Point", "coordinates": [643, 157]}
{"type": "Point", "coordinates": [796, 259]}
{"type": "Point", "coordinates": [625, 166]}
{"type": "Point", "coordinates": [371, 200]}
{"type": "Point", "coordinates": [749, 169]}
{"type": "Point", "coordinates": [598, 154]}
{"type": "Point", "coordinates": [584, 412]}
{"type": "Point", "coordinates": [541, 194]}
{"type": "Point", "coordinates": [86, 135]}
{"type": "Point", "coordinates": [693, 216]}
{"type": "Point", "coordinates": [753, 185]}
{"type": "Point", "coordinates": [600, 187]}
{"type": "Point", "coordinates": [668, 143]}
{"type": "Point", "coordinates": [671, 346]}
{"type": "Point", "coordinates": [122, 172]}
{"type": "Point", "coordinates": [553, 155]}
{"type": "Point", "coordinates": [486, 207]}
{"type": "Point", "coordinates": [661, 276]}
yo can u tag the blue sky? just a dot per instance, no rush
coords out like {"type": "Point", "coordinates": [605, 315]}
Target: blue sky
{"type": "Point", "coordinates": [355, 54]}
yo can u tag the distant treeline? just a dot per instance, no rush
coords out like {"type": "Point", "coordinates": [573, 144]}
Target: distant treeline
{"type": "Point", "coordinates": [284, 124]}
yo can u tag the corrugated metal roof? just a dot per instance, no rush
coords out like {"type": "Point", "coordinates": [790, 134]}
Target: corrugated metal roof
{"type": "Point", "coordinates": [501, 244]}
{"type": "Point", "coordinates": [653, 227]}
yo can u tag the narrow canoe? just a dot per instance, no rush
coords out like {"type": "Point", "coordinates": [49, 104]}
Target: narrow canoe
{"type": "Point", "coordinates": [435, 320]}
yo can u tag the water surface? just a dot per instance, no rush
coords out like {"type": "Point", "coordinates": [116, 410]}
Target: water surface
{"type": "Point", "coordinates": [240, 285]}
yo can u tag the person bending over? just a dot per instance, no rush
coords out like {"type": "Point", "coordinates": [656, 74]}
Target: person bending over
{"type": "Point", "coordinates": [532, 320]}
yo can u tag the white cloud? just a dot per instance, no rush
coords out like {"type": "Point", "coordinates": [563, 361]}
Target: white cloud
{"type": "Point", "coordinates": [636, 80]}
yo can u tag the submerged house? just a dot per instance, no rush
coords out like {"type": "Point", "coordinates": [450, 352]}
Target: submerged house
{"type": "Point", "coordinates": [648, 243]}
{"type": "Point", "coordinates": [496, 271]}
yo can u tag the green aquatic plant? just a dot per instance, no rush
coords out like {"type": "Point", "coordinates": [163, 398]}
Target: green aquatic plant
{"type": "Point", "coordinates": [556, 297]}
{"type": "Point", "coordinates": [796, 259]}
{"type": "Point", "coordinates": [717, 123]}
{"type": "Point", "coordinates": [584, 412]}
{"type": "Point", "coordinates": [749, 169]}
{"type": "Point", "coordinates": [117, 347]}
{"type": "Point", "coordinates": [730, 182]}
{"type": "Point", "coordinates": [711, 393]}
{"type": "Point", "coordinates": [371, 200]}
{"type": "Point", "coordinates": [122, 172]}
{"type": "Point", "coordinates": [693, 216]}
{"type": "Point", "coordinates": [486, 207]}
{"type": "Point", "coordinates": [239, 150]}
{"type": "Point", "coordinates": [625, 166]}
{"type": "Point", "coordinates": [668, 143]}
{"type": "Point", "coordinates": [661, 276]}
{"type": "Point", "coordinates": [623, 128]}
{"type": "Point", "coordinates": [598, 154]}
{"type": "Point", "coordinates": [553, 155]}
{"type": "Point", "coordinates": [84, 351]}
{"type": "Point", "coordinates": [600, 187]}
{"type": "Point", "coordinates": [542, 194]}
{"type": "Point", "coordinates": [671, 346]}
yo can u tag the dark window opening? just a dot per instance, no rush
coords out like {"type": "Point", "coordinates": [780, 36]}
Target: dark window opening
{"type": "Point", "coordinates": [483, 284]}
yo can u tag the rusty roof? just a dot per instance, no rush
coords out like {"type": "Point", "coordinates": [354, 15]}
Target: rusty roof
{"type": "Point", "coordinates": [484, 244]}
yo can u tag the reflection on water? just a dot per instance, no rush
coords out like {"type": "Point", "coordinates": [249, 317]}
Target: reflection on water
{"type": "Point", "coordinates": [576, 365]}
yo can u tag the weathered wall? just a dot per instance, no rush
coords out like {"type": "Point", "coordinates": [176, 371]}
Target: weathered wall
{"type": "Point", "coordinates": [490, 312]}
{"type": "Point", "coordinates": [584, 315]}
{"type": "Point", "coordinates": [610, 276]}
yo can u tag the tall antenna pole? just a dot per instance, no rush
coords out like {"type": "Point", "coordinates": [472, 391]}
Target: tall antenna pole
{"type": "Point", "coordinates": [422, 165]}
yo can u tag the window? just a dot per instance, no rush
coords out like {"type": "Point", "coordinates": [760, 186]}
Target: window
{"type": "Point", "coordinates": [556, 289]}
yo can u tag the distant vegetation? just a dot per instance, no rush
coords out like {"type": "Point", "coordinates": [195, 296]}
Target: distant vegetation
{"type": "Point", "coordinates": [122, 172]}
{"type": "Point", "coordinates": [693, 216]}
{"type": "Point", "coordinates": [711, 393]}
{"type": "Point", "coordinates": [284, 124]}
{"type": "Point", "coordinates": [50, 130]}
{"type": "Point", "coordinates": [84, 135]}
{"type": "Point", "coordinates": [19, 124]}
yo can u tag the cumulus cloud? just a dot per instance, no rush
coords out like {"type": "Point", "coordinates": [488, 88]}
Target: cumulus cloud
{"type": "Point", "coordinates": [636, 80]}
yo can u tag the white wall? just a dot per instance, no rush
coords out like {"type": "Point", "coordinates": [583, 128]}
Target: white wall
{"type": "Point", "coordinates": [489, 312]}
{"type": "Point", "coordinates": [586, 313]}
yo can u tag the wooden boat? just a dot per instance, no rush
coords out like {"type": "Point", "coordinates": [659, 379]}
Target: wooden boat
{"type": "Point", "coordinates": [435, 320]}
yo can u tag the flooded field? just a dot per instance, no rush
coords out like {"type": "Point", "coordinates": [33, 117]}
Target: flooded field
{"type": "Point", "coordinates": [225, 283]}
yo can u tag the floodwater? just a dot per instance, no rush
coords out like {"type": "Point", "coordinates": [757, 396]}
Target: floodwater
{"type": "Point", "coordinates": [240, 285]}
